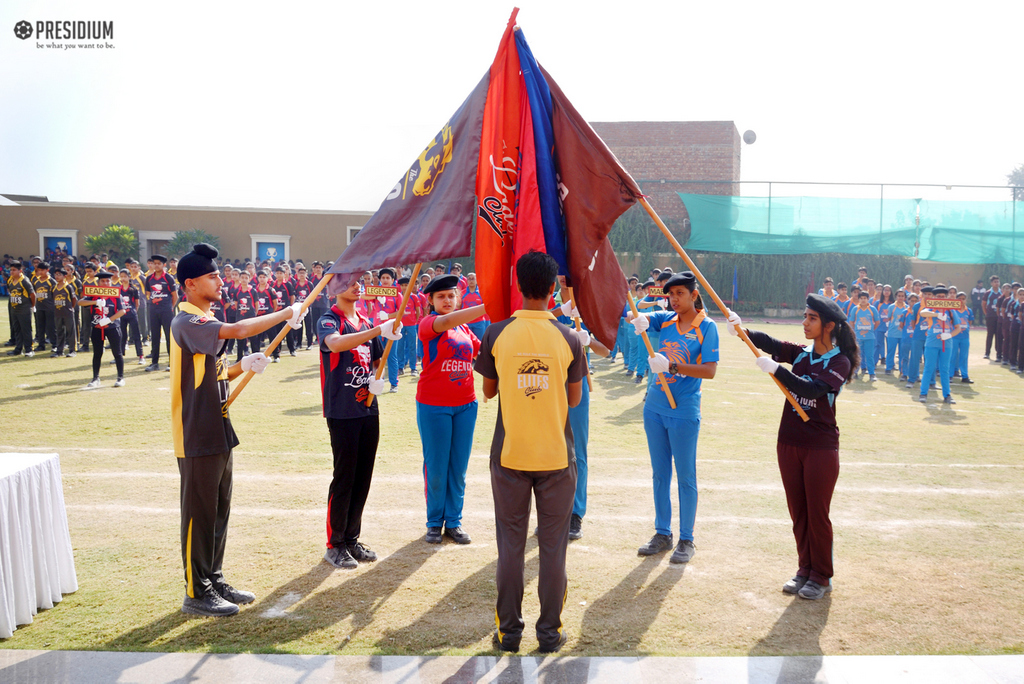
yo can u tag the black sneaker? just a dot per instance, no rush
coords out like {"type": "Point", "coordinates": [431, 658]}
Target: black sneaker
{"type": "Point", "coordinates": [14, 352]}
{"type": "Point", "coordinates": [683, 553]}
{"type": "Point", "coordinates": [814, 591]}
{"type": "Point", "coordinates": [341, 558]}
{"type": "Point", "coordinates": [151, 367]}
{"type": "Point", "coordinates": [575, 527]}
{"type": "Point", "coordinates": [967, 381]}
{"type": "Point", "coordinates": [948, 400]}
{"type": "Point", "coordinates": [657, 544]}
{"type": "Point", "coordinates": [232, 595]}
{"type": "Point", "coordinates": [433, 535]}
{"type": "Point", "coordinates": [563, 636]}
{"type": "Point", "coordinates": [457, 535]}
{"type": "Point", "coordinates": [210, 604]}
{"type": "Point", "coordinates": [361, 552]}
{"type": "Point", "coordinates": [639, 379]}
{"type": "Point", "coordinates": [794, 585]}
{"type": "Point", "coordinates": [508, 644]}
{"type": "Point", "coordinates": [629, 373]}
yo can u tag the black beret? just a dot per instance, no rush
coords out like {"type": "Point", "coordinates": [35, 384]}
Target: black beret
{"type": "Point", "coordinates": [104, 274]}
{"type": "Point", "coordinates": [826, 308]}
{"type": "Point", "coordinates": [940, 290]}
{"type": "Point", "coordinates": [684, 278]}
{"type": "Point", "coordinates": [648, 283]}
{"type": "Point", "coordinates": [386, 271]}
{"type": "Point", "coordinates": [927, 290]}
{"type": "Point", "coordinates": [197, 263]}
{"type": "Point", "coordinates": [403, 281]}
{"type": "Point", "coordinates": [159, 257]}
{"type": "Point", "coordinates": [441, 282]}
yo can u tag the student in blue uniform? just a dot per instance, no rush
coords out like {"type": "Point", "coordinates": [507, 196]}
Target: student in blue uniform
{"type": "Point", "coordinates": [687, 353]}
{"type": "Point", "coordinates": [885, 300]}
{"type": "Point", "coordinates": [864, 319]}
{"type": "Point", "coordinates": [943, 326]}
{"type": "Point", "coordinates": [962, 343]}
{"type": "Point", "coordinates": [639, 349]}
{"type": "Point", "coordinates": [920, 326]}
{"type": "Point", "coordinates": [652, 304]}
{"type": "Point", "coordinates": [897, 314]}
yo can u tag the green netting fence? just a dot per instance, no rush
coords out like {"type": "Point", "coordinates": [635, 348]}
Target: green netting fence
{"type": "Point", "coordinates": [961, 232]}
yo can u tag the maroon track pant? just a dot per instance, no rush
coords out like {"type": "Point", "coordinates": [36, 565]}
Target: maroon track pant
{"type": "Point", "coordinates": [809, 476]}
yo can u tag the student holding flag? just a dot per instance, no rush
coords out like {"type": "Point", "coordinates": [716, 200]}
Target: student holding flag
{"type": "Point", "coordinates": [446, 405]}
{"type": "Point", "coordinates": [808, 452]}
{"type": "Point", "coordinates": [687, 354]}
{"type": "Point", "coordinates": [105, 327]}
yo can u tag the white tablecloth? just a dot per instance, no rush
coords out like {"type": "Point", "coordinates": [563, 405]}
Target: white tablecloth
{"type": "Point", "coordinates": [36, 563]}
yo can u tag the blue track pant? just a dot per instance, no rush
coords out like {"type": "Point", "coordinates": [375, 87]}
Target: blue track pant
{"type": "Point", "coordinates": [936, 358]}
{"type": "Point", "coordinates": [579, 421]}
{"type": "Point", "coordinates": [671, 439]}
{"type": "Point", "coordinates": [447, 436]}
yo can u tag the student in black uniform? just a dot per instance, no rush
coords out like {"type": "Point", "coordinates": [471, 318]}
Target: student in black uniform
{"type": "Point", "coordinates": [245, 305]}
{"type": "Point", "coordinates": [105, 314]}
{"type": "Point", "coordinates": [130, 301]}
{"type": "Point", "coordinates": [65, 305]}
{"type": "Point", "coordinates": [202, 431]}
{"type": "Point", "coordinates": [162, 295]}
{"type": "Point", "coordinates": [280, 298]}
{"type": "Point", "coordinates": [21, 300]}
{"type": "Point", "coordinates": [43, 284]}
{"type": "Point", "coordinates": [85, 323]}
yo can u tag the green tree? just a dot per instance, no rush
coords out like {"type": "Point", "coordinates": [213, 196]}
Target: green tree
{"type": "Point", "coordinates": [1016, 178]}
{"type": "Point", "coordinates": [119, 242]}
{"type": "Point", "coordinates": [181, 243]}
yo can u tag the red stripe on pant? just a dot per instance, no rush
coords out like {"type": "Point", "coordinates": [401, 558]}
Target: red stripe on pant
{"type": "Point", "coordinates": [809, 477]}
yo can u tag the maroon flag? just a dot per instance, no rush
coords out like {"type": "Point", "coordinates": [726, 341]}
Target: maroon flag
{"type": "Point", "coordinates": [430, 213]}
{"type": "Point", "coordinates": [595, 190]}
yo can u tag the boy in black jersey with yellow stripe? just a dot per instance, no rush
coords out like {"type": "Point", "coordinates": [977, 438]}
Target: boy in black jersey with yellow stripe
{"type": "Point", "coordinates": [201, 427]}
{"type": "Point", "coordinates": [65, 303]}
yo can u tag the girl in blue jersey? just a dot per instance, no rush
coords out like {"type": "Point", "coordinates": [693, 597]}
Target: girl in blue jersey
{"type": "Point", "coordinates": [885, 299]}
{"type": "Point", "coordinates": [943, 325]}
{"type": "Point", "coordinates": [687, 354]}
{"type": "Point", "coordinates": [897, 314]}
{"type": "Point", "coordinates": [864, 319]}
{"type": "Point", "coordinates": [651, 304]}
{"type": "Point", "coordinates": [962, 343]}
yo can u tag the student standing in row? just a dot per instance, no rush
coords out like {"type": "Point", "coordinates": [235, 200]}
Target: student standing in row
{"type": "Point", "coordinates": [897, 314]}
{"type": "Point", "coordinates": [43, 285]}
{"type": "Point", "coordinates": [988, 305]}
{"type": "Point", "coordinates": [864, 318]}
{"type": "Point", "coordinates": [162, 293]}
{"type": "Point", "coordinates": [406, 349]}
{"type": "Point", "coordinates": [687, 354]}
{"type": "Point", "coordinates": [446, 405]}
{"type": "Point", "coordinates": [65, 303]}
{"type": "Point", "coordinates": [245, 308]}
{"type": "Point", "coordinates": [130, 298]}
{"type": "Point", "coordinates": [961, 344]}
{"type": "Point", "coordinates": [21, 301]}
{"type": "Point", "coordinates": [808, 453]}
{"type": "Point", "coordinates": [350, 350]}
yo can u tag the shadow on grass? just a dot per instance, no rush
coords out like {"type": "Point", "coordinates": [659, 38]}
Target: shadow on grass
{"type": "Point", "coordinates": [616, 622]}
{"type": "Point", "coordinates": [462, 617]}
{"type": "Point", "coordinates": [797, 632]}
{"type": "Point", "coordinates": [315, 410]}
{"type": "Point", "coordinates": [270, 625]}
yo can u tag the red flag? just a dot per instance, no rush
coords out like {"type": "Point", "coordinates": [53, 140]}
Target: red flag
{"type": "Point", "coordinates": [497, 179]}
{"type": "Point", "coordinates": [529, 228]}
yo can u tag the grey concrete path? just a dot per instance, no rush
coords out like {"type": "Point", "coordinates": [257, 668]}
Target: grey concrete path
{"type": "Point", "coordinates": [94, 667]}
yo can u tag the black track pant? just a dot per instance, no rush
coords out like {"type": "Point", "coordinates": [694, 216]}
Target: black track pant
{"type": "Point", "coordinates": [313, 318]}
{"type": "Point", "coordinates": [354, 443]}
{"type": "Point", "coordinates": [512, 490]}
{"type": "Point", "coordinates": [160, 321]}
{"type": "Point", "coordinates": [45, 327]}
{"type": "Point", "coordinates": [21, 329]}
{"type": "Point", "coordinates": [990, 326]}
{"type": "Point", "coordinates": [113, 334]}
{"type": "Point", "coordinates": [66, 333]}
{"type": "Point", "coordinates": [205, 508]}
{"type": "Point", "coordinates": [130, 328]}
{"type": "Point", "coordinates": [85, 328]}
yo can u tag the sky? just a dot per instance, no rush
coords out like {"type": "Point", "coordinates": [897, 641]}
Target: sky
{"type": "Point", "coordinates": [324, 105]}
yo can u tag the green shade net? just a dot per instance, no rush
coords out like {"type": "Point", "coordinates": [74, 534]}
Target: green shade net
{"type": "Point", "coordinates": [800, 225]}
{"type": "Point", "coordinates": [951, 232]}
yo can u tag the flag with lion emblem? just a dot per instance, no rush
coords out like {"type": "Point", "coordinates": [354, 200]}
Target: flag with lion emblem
{"type": "Point", "coordinates": [520, 169]}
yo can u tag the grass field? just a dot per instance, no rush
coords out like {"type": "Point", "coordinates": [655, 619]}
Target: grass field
{"type": "Point", "coordinates": [928, 513]}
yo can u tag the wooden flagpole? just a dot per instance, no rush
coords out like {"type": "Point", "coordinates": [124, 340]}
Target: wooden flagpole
{"type": "Point", "coordinates": [280, 336]}
{"type": "Point", "coordinates": [714, 296]}
{"type": "Point", "coordinates": [650, 350]}
{"type": "Point", "coordinates": [572, 303]}
{"type": "Point", "coordinates": [398, 317]}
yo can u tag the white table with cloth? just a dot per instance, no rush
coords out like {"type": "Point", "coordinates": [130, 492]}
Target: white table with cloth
{"type": "Point", "coordinates": [36, 563]}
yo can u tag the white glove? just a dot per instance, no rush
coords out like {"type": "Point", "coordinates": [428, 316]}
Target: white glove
{"type": "Point", "coordinates": [382, 315]}
{"type": "Point", "coordinates": [663, 303]}
{"type": "Point", "coordinates": [388, 331]}
{"type": "Point", "coordinates": [659, 363]}
{"type": "Point", "coordinates": [734, 321]}
{"type": "Point", "coordinates": [33, 309]}
{"type": "Point", "coordinates": [584, 337]}
{"type": "Point", "coordinates": [945, 336]}
{"type": "Point", "coordinates": [257, 363]}
{"type": "Point", "coordinates": [295, 318]}
{"type": "Point", "coordinates": [382, 300]}
{"type": "Point", "coordinates": [378, 386]}
{"type": "Point", "coordinates": [640, 324]}
{"type": "Point", "coordinates": [100, 303]}
{"type": "Point", "coordinates": [766, 364]}
{"type": "Point", "coordinates": [942, 316]}
{"type": "Point", "coordinates": [566, 309]}
{"type": "Point", "coordinates": [104, 322]}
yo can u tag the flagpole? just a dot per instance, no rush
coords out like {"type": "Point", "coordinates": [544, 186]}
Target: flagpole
{"type": "Point", "coordinates": [650, 350]}
{"type": "Point", "coordinates": [280, 336]}
{"type": "Point", "coordinates": [572, 303]}
{"type": "Point", "coordinates": [714, 296]}
{"type": "Point", "coordinates": [398, 317]}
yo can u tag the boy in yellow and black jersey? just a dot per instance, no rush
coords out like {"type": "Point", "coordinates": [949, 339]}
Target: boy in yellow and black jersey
{"type": "Point", "coordinates": [65, 303]}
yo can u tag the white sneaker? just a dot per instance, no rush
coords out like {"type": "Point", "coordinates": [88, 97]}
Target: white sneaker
{"type": "Point", "coordinates": [119, 382]}
{"type": "Point", "coordinates": [30, 353]}
{"type": "Point", "coordinates": [142, 360]}
{"type": "Point", "coordinates": [94, 384]}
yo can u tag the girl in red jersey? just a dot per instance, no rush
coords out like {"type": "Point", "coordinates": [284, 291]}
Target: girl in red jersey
{"type": "Point", "coordinates": [446, 405]}
{"type": "Point", "coordinates": [808, 453]}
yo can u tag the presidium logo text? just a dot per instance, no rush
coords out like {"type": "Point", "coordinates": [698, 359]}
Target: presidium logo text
{"type": "Point", "coordinates": [67, 31]}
